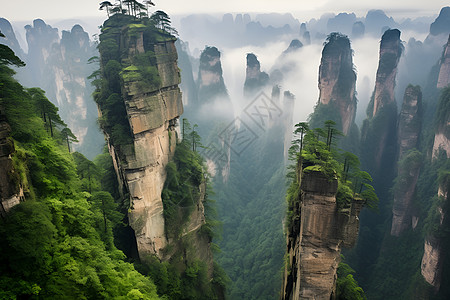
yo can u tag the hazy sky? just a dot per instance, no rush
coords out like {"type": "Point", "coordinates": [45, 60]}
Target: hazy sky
{"type": "Point", "coordinates": [26, 10]}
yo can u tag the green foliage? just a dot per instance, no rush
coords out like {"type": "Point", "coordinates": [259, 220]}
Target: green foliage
{"type": "Point", "coordinates": [250, 205]}
{"type": "Point", "coordinates": [53, 245]}
{"type": "Point", "coordinates": [347, 287]}
{"type": "Point", "coordinates": [443, 112]}
{"type": "Point", "coordinates": [319, 154]}
{"type": "Point", "coordinates": [182, 187]}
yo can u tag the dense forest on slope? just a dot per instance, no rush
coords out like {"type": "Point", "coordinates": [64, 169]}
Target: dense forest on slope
{"type": "Point", "coordinates": [250, 204]}
{"type": "Point", "coordinates": [59, 241]}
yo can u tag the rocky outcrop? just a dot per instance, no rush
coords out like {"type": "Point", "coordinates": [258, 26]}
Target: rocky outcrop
{"type": "Point", "coordinates": [337, 79]}
{"type": "Point", "coordinates": [60, 67]}
{"type": "Point", "coordinates": [255, 80]}
{"type": "Point", "coordinates": [10, 192]}
{"type": "Point", "coordinates": [433, 256]}
{"type": "Point", "coordinates": [358, 30]}
{"type": "Point", "coordinates": [152, 112]}
{"type": "Point", "coordinates": [287, 119]}
{"type": "Point", "coordinates": [314, 240]}
{"type": "Point", "coordinates": [10, 39]}
{"type": "Point", "coordinates": [442, 128]}
{"type": "Point", "coordinates": [390, 51]}
{"type": "Point", "coordinates": [441, 142]}
{"type": "Point", "coordinates": [444, 71]}
{"type": "Point", "coordinates": [410, 120]}
{"type": "Point", "coordinates": [409, 127]}
{"type": "Point", "coordinates": [293, 47]}
{"type": "Point", "coordinates": [210, 80]}
{"type": "Point", "coordinates": [40, 38]}
{"type": "Point", "coordinates": [431, 261]}
{"type": "Point", "coordinates": [442, 23]}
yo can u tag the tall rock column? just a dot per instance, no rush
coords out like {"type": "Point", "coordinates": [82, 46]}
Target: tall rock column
{"type": "Point", "coordinates": [337, 81]}
{"type": "Point", "coordinates": [390, 51]}
{"type": "Point", "coordinates": [379, 132]}
{"type": "Point", "coordinates": [210, 81]}
{"type": "Point", "coordinates": [315, 238]}
{"type": "Point", "coordinates": [444, 71]}
{"type": "Point", "coordinates": [409, 127]}
{"type": "Point", "coordinates": [152, 115]}
{"type": "Point", "coordinates": [255, 80]}
{"type": "Point", "coordinates": [143, 137]}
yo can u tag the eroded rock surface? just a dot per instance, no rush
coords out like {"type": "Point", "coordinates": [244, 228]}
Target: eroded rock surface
{"type": "Point", "coordinates": [315, 239]}
{"type": "Point", "coordinates": [337, 79]}
{"type": "Point", "coordinates": [409, 127]}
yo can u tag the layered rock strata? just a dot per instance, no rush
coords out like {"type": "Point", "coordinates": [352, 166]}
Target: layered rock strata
{"type": "Point", "coordinates": [337, 79]}
{"type": "Point", "coordinates": [315, 239]}
{"type": "Point", "coordinates": [152, 112]}
{"type": "Point", "coordinates": [409, 127]}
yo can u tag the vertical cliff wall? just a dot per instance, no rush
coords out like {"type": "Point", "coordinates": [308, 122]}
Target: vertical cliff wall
{"type": "Point", "coordinates": [434, 252]}
{"type": "Point", "coordinates": [444, 71]}
{"type": "Point", "coordinates": [337, 80]}
{"type": "Point", "coordinates": [255, 80]}
{"type": "Point", "coordinates": [390, 51]}
{"type": "Point", "coordinates": [409, 127]}
{"type": "Point", "coordinates": [442, 127]}
{"type": "Point", "coordinates": [152, 111]}
{"type": "Point", "coordinates": [379, 133]}
{"type": "Point", "coordinates": [315, 238]}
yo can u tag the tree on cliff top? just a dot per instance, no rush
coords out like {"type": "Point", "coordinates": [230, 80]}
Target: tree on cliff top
{"type": "Point", "coordinates": [319, 154]}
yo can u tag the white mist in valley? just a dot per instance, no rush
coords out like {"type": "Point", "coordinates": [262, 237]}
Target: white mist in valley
{"type": "Point", "coordinates": [300, 67]}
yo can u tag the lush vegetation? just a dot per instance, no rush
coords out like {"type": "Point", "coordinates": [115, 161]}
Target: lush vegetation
{"type": "Point", "coordinates": [346, 286]}
{"type": "Point", "coordinates": [119, 67]}
{"type": "Point", "coordinates": [315, 151]}
{"type": "Point", "coordinates": [58, 243]}
{"type": "Point", "coordinates": [250, 205]}
{"type": "Point", "coordinates": [383, 261]}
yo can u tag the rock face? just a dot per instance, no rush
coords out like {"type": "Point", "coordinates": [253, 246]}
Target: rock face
{"type": "Point", "coordinates": [10, 192]}
{"type": "Point", "coordinates": [10, 39]}
{"type": "Point", "coordinates": [315, 239]}
{"type": "Point", "coordinates": [60, 67]}
{"type": "Point", "coordinates": [433, 256]}
{"type": "Point", "coordinates": [337, 79]}
{"type": "Point", "coordinates": [390, 52]}
{"type": "Point", "coordinates": [409, 127]}
{"type": "Point", "coordinates": [442, 133]}
{"type": "Point", "coordinates": [410, 120]}
{"type": "Point", "coordinates": [442, 22]}
{"type": "Point", "coordinates": [444, 71]}
{"type": "Point", "coordinates": [210, 80]}
{"type": "Point", "coordinates": [152, 113]}
{"type": "Point", "coordinates": [255, 80]}
{"type": "Point", "coordinates": [431, 260]}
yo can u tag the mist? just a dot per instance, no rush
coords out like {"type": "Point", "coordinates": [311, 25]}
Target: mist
{"type": "Point", "coordinates": [301, 76]}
